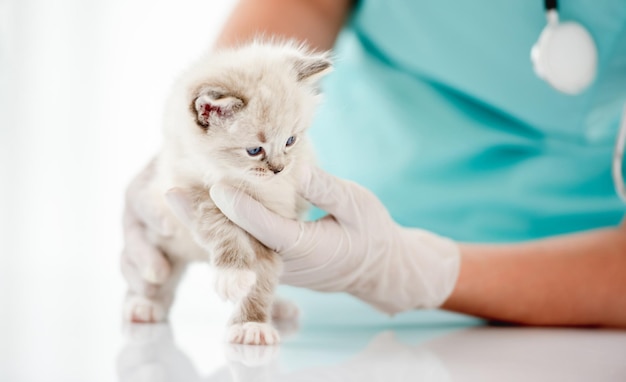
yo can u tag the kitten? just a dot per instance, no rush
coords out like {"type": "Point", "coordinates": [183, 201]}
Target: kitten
{"type": "Point", "coordinates": [238, 116]}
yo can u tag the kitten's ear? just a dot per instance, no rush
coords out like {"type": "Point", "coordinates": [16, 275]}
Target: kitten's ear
{"type": "Point", "coordinates": [214, 105]}
{"type": "Point", "coordinates": [312, 67]}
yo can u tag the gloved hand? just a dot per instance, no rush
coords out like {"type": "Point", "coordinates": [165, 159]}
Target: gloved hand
{"type": "Point", "coordinates": [357, 248]}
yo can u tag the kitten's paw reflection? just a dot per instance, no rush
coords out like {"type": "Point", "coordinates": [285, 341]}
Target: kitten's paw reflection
{"type": "Point", "coordinates": [142, 310]}
{"type": "Point", "coordinates": [234, 284]}
{"type": "Point", "coordinates": [151, 355]}
{"type": "Point", "coordinates": [253, 333]}
{"type": "Point", "coordinates": [251, 356]}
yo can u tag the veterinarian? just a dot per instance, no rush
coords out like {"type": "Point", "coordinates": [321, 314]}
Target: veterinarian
{"type": "Point", "coordinates": [480, 174]}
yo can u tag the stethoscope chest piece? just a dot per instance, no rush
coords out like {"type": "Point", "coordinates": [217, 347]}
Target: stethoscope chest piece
{"type": "Point", "coordinates": [565, 56]}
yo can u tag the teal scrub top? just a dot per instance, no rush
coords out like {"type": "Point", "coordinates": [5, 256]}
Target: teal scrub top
{"type": "Point", "coordinates": [434, 106]}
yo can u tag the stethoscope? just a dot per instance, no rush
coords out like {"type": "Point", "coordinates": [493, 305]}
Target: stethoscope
{"type": "Point", "coordinates": [566, 57]}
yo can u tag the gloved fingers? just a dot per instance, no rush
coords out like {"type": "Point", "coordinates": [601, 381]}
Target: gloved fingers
{"type": "Point", "coordinates": [140, 206]}
{"type": "Point", "coordinates": [343, 199]}
{"type": "Point", "coordinates": [274, 231]}
{"type": "Point", "coordinates": [151, 263]}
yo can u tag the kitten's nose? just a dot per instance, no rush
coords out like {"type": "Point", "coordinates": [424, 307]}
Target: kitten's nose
{"type": "Point", "coordinates": [276, 169]}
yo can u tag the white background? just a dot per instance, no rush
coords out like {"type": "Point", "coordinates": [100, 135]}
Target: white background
{"type": "Point", "coordinates": [82, 84]}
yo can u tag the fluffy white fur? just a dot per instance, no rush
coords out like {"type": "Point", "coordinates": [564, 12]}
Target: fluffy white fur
{"type": "Point", "coordinates": [257, 95]}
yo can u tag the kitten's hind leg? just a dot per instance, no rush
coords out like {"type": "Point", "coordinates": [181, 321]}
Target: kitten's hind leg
{"type": "Point", "coordinates": [153, 306]}
{"type": "Point", "coordinates": [285, 316]}
{"type": "Point", "coordinates": [284, 310]}
{"type": "Point", "coordinates": [251, 321]}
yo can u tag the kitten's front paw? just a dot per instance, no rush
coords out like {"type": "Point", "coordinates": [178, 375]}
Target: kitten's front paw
{"type": "Point", "coordinates": [234, 284]}
{"type": "Point", "coordinates": [142, 310]}
{"type": "Point", "coordinates": [253, 333]}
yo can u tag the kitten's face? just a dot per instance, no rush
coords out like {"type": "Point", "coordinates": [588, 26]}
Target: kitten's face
{"type": "Point", "coordinates": [256, 150]}
{"type": "Point", "coordinates": [251, 121]}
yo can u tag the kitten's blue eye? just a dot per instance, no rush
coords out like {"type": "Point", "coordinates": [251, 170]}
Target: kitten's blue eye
{"type": "Point", "coordinates": [254, 151]}
{"type": "Point", "coordinates": [291, 141]}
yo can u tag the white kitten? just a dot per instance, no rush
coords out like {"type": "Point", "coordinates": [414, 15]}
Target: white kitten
{"type": "Point", "coordinates": [238, 116]}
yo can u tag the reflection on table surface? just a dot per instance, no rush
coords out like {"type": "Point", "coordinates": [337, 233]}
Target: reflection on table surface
{"type": "Point", "coordinates": [482, 353]}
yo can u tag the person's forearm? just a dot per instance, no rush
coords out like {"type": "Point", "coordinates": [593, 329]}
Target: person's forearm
{"type": "Point", "coordinates": [316, 22]}
{"type": "Point", "coordinates": [577, 280]}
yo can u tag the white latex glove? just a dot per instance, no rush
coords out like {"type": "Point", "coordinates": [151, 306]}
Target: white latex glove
{"type": "Point", "coordinates": [357, 248]}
